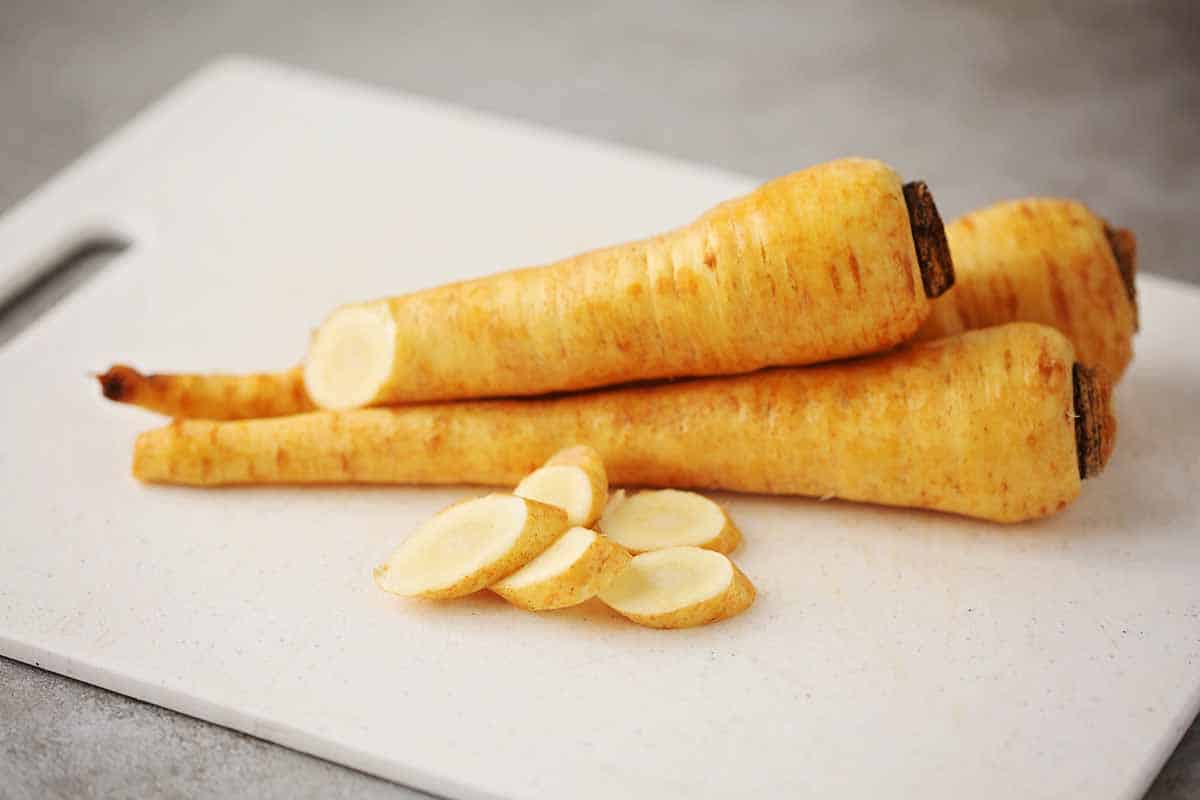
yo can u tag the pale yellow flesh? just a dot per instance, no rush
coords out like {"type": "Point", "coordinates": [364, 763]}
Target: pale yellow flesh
{"type": "Point", "coordinates": [678, 588]}
{"type": "Point", "coordinates": [668, 580]}
{"type": "Point", "coordinates": [567, 487]}
{"type": "Point", "coordinates": [351, 357]}
{"type": "Point", "coordinates": [669, 518]}
{"type": "Point", "coordinates": [614, 499]}
{"type": "Point", "coordinates": [569, 572]}
{"type": "Point", "coordinates": [469, 545]}
{"type": "Point", "coordinates": [556, 559]}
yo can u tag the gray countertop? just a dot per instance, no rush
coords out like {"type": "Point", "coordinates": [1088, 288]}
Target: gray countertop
{"type": "Point", "coordinates": [1002, 98]}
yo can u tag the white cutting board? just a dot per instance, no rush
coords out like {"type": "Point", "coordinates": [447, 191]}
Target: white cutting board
{"type": "Point", "coordinates": [890, 653]}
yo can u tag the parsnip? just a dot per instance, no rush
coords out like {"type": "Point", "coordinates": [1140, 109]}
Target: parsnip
{"type": "Point", "coordinates": [679, 587]}
{"type": "Point", "coordinates": [997, 423]}
{"type": "Point", "coordinates": [1036, 260]}
{"type": "Point", "coordinates": [1043, 260]}
{"type": "Point", "coordinates": [615, 499]}
{"type": "Point", "coordinates": [569, 572]}
{"type": "Point", "coordinates": [670, 518]}
{"type": "Point", "coordinates": [471, 545]}
{"type": "Point", "coordinates": [574, 480]}
{"type": "Point", "coordinates": [833, 261]}
{"type": "Point", "coordinates": [209, 396]}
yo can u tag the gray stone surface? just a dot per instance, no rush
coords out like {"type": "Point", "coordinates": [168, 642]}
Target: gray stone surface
{"type": "Point", "coordinates": [1096, 100]}
{"type": "Point", "coordinates": [65, 740]}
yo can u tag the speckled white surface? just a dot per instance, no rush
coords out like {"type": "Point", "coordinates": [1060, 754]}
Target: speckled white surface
{"type": "Point", "coordinates": [955, 658]}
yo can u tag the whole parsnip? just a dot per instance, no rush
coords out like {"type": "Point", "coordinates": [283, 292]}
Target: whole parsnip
{"type": "Point", "coordinates": [999, 423]}
{"type": "Point", "coordinates": [1043, 260]}
{"type": "Point", "coordinates": [834, 261]}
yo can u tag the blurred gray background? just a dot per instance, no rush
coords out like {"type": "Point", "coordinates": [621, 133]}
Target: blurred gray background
{"type": "Point", "coordinates": [986, 100]}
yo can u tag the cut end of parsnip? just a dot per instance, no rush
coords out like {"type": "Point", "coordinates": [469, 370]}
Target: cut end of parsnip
{"type": "Point", "coordinates": [572, 570]}
{"type": "Point", "coordinates": [471, 545]}
{"type": "Point", "coordinates": [655, 520]}
{"type": "Point", "coordinates": [679, 587]}
{"type": "Point", "coordinates": [929, 240]}
{"type": "Point", "coordinates": [1123, 244]}
{"type": "Point", "coordinates": [1095, 425]}
{"type": "Point", "coordinates": [351, 357]}
{"type": "Point", "coordinates": [574, 480]}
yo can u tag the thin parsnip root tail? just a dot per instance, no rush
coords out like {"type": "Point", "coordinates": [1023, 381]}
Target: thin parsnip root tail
{"type": "Point", "coordinates": [1048, 261]}
{"type": "Point", "coordinates": [470, 546]}
{"type": "Point", "coordinates": [656, 520]}
{"type": "Point", "coordinates": [825, 263]}
{"type": "Point", "coordinates": [569, 572]}
{"type": "Point", "coordinates": [981, 424]}
{"type": "Point", "coordinates": [572, 479]}
{"type": "Point", "coordinates": [209, 396]}
{"type": "Point", "coordinates": [679, 587]}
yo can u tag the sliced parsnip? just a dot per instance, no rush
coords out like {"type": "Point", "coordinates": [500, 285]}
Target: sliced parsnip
{"type": "Point", "coordinates": [669, 518]}
{"type": "Point", "coordinates": [351, 356]}
{"type": "Point", "coordinates": [574, 480]}
{"type": "Point", "coordinates": [471, 545]}
{"type": "Point", "coordinates": [779, 266]}
{"type": "Point", "coordinates": [568, 572]}
{"type": "Point", "coordinates": [679, 587]}
{"type": "Point", "coordinates": [614, 499]}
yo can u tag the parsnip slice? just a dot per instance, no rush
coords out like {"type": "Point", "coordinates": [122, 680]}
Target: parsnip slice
{"type": "Point", "coordinates": [574, 480]}
{"type": "Point", "coordinates": [471, 545]}
{"type": "Point", "coordinates": [351, 357]}
{"type": "Point", "coordinates": [669, 518]}
{"type": "Point", "coordinates": [614, 499]}
{"type": "Point", "coordinates": [679, 587]}
{"type": "Point", "coordinates": [568, 572]}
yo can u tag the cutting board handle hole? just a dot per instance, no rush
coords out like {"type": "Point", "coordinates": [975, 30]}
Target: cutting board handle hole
{"type": "Point", "coordinates": [79, 261]}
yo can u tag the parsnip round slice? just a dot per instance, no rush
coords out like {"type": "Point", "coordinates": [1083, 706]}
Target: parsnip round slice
{"type": "Point", "coordinates": [470, 546]}
{"type": "Point", "coordinates": [614, 499]}
{"type": "Point", "coordinates": [567, 573]}
{"type": "Point", "coordinates": [574, 480]}
{"type": "Point", "coordinates": [679, 587]}
{"type": "Point", "coordinates": [669, 518]}
{"type": "Point", "coordinates": [351, 356]}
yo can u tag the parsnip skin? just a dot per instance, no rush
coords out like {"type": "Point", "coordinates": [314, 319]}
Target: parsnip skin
{"type": "Point", "coordinates": [814, 266]}
{"type": "Point", "coordinates": [209, 396]}
{"type": "Point", "coordinates": [982, 424]}
{"type": "Point", "coordinates": [1043, 260]}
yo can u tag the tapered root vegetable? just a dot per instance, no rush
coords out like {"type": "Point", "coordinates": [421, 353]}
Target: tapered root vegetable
{"type": "Point", "coordinates": [574, 480]}
{"type": "Point", "coordinates": [470, 546]}
{"type": "Point", "coordinates": [679, 587]}
{"type": "Point", "coordinates": [209, 396]}
{"type": "Point", "coordinates": [1048, 261]}
{"type": "Point", "coordinates": [657, 520]}
{"type": "Point", "coordinates": [982, 424]}
{"type": "Point", "coordinates": [569, 572]}
{"type": "Point", "coordinates": [837, 260]}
